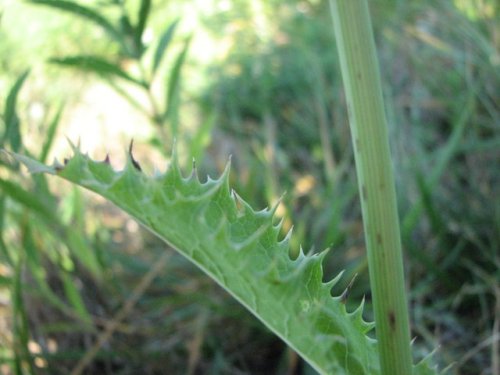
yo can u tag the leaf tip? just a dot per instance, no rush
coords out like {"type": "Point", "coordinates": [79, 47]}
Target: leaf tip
{"type": "Point", "coordinates": [134, 162]}
{"type": "Point", "coordinates": [194, 171]}
{"type": "Point", "coordinates": [345, 294]}
{"type": "Point", "coordinates": [75, 148]}
{"type": "Point", "coordinates": [224, 177]}
{"type": "Point", "coordinates": [330, 284]}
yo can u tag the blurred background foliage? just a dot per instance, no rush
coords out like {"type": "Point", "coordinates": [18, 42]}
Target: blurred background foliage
{"type": "Point", "coordinates": [83, 289]}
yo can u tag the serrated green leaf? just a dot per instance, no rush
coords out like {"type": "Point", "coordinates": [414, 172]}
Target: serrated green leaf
{"type": "Point", "coordinates": [97, 65]}
{"type": "Point", "coordinates": [163, 45]}
{"type": "Point", "coordinates": [12, 133]}
{"type": "Point", "coordinates": [241, 250]}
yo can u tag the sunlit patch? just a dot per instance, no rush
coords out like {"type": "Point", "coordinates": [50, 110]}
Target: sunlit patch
{"type": "Point", "coordinates": [304, 185]}
{"type": "Point", "coordinates": [52, 345]}
{"type": "Point", "coordinates": [40, 362]}
{"type": "Point", "coordinates": [5, 271]}
{"type": "Point", "coordinates": [148, 36]}
{"type": "Point", "coordinates": [476, 9]}
{"type": "Point", "coordinates": [132, 226]}
{"type": "Point", "coordinates": [34, 347]}
{"type": "Point", "coordinates": [36, 111]}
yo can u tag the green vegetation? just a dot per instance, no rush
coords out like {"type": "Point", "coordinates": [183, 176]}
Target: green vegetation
{"type": "Point", "coordinates": [86, 290]}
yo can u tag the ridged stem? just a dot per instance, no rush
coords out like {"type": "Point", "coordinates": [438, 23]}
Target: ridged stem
{"type": "Point", "coordinates": [361, 76]}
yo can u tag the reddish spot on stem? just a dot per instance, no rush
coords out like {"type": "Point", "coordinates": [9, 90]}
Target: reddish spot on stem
{"type": "Point", "coordinates": [392, 320]}
{"type": "Point", "coordinates": [378, 236]}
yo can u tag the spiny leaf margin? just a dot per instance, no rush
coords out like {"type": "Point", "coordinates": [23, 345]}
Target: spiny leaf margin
{"type": "Point", "coordinates": [240, 249]}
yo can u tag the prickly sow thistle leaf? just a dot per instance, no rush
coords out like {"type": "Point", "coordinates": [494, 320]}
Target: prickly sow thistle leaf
{"type": "Point", "coordinates": [241, 250]}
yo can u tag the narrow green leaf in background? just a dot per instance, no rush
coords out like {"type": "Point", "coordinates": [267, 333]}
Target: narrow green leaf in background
{"type": "Point", "coordinates": [23, 359]}
{"type": "Point", "coordinates": [173, 85]}
{"type": "Point", "coordinates": [12, 133]}
{"type": "Point", "coordinates": [86, 13]}
{"type": "Point", "coordinates": [97, 65]}
{"type": "Point", "coordinates": [163, 45]}
{"type": "Point", "coordinates": [27, 199]}
{"type": "Point", "coordinates": [4, 252]}
{"type": "Point", "coordinates": [74, 297]}
{"type": "Point", "coordinates": [201, 138]}
{"type": "Point", "coordinates": [49, 137]}
{"type": "Point", "coordinates": [141, 23]}
{"type": "Point", "coordinates": [73, 239]}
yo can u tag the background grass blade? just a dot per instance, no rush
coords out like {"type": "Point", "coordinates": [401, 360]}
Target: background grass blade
{"type": "Point", "coordinates": [23, 358]}
{"type": "Point", "coordinates": [141, 23]}
{"type": "Point", "coordinates": [27, 199]}
{"type": "Point", "coordinates": [12, 133]}
{"type": "Point", "coordinates": [173, 90]}
{"type": "Point", "coordinates": [162, 46]}
{"type": "Point", "coordinates": [86, 13]}
{"type": "Point", "coordinates": [49, 138]}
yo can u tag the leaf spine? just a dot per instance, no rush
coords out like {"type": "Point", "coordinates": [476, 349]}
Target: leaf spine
{"type": "Point", "coordinates": [134, 162]}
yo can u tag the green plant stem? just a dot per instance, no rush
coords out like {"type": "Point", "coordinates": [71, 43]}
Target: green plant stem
{"type": "Point", "coordinates": [360, 72]}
